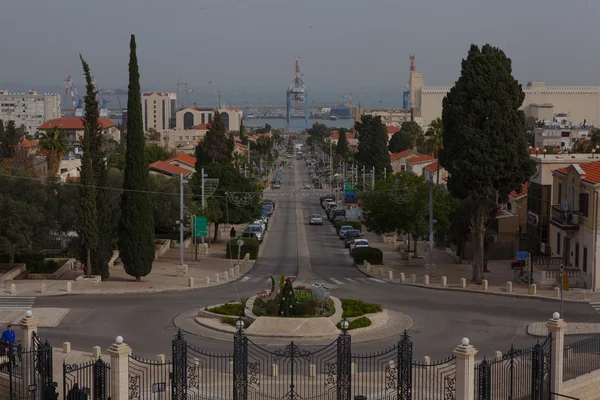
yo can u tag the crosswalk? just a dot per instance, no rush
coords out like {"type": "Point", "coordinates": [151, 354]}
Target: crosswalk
{"type": "Point", "coordinates": [334, 281]}
{"type": "Point", "coordinates": [16, 303]}
{"type": "Point", "coordinates": [595, 305]}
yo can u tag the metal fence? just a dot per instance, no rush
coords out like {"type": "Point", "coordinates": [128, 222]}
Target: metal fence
{"type": "Point", "coordinates": [518, 374]}
{"type": "Point", "coordinates": [148, 379]}
{"type": "Point", "coordinates": [90, 380]}
{"type": "Point", "coordinates": [581, 357]}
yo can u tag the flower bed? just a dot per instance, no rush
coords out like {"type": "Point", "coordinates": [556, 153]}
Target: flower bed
{"type": "Point", "coordinates": [232, 308]}
{"type": "Point", "coordinates": [306, 306]}
{"type": "Point", "coordinates": [357, 308]}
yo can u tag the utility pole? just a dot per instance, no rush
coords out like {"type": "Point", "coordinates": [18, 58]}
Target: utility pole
{"type": "Point", "coordinates": [384, 173]}
{"type": "Point", "coordinates": [181, 217]}
{"type": "Point", "coordinates": [373, 179]}
{"type": "Point", "coordinates": [203, 203]}
{"type": "Point", "coordinates": [364, 174]}
{"type": "Point", "coordinates": [330, 159]}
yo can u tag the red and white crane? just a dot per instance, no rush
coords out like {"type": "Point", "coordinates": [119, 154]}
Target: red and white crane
{"type": "Point", "coordinates": [78, 103]}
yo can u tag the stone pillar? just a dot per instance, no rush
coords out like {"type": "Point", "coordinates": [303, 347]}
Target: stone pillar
{"type": "Point", "coordinates": [29, 326]}
{"type": "Point", "coordinates": [557, 327]}
{"type": "Point", "coordinates": [465, 370]}
{"type": "Point", "coordinates": [119, 369]}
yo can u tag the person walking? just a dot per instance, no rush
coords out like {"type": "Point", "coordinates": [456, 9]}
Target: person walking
{"type": "Point", "coordinates": [50, 392]}
{"type": "Point", "coordinates": [74, 393]}
{"type": "Point", "coordinates": [232, 233]}
{"type": "Point", "coordinates": [8, 336]}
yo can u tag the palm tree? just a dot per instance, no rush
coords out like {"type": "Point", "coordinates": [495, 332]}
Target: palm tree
{"type": "Point", "coordinates": [55, 145]}
{"type": "Point", "coordinates": [434, 140]}
{"type": "Point", "coordinates": [238, 159]}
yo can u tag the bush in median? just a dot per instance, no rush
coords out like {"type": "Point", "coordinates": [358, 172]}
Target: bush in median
{"type": "Point", "coordinates": [372, 255]}
{"type": "Point", "coordinates": [250, 247]}
{"type": "Point", "coordinates": [354, 224]}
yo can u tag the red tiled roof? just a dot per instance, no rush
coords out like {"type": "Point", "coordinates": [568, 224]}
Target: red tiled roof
{"type": "Point", "coordinates": [432, 167]}
{"type": "Point", "coordinates": [391, 129]}
{"type": "Point", "coordinates": [241, 146]}
{"type": "Point", "coordinates": [395, 156]}
{"type": "Point", "coordinates": [591, 170]}
{"type": "Point", "coordinates": [420, 159]}
{"type": "Point", "coordinates": [516, 195]}
{"type": "Point", "coordinates": [72, 179]}
{"type": "Point", "coordinates": [74, 123]}
{"type": "Point", "coordinates": [26, 144]}
{"type": "Point", "coordinates": [201, 126]}
{"type": "Point", "coordinates": [168, 169]}
{"type": "Point", "coordinates": [184, 158]}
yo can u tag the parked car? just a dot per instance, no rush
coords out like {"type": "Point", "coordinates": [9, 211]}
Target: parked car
{"type": "Point", "coordinates": [252, 235]}
{"type": "Point", "coordinates": [269, 202]}
{"type": "Point", "coordinates": [260, 223]}
{"type": "Point", "coordinates": [343, 229]}
{"type": "Point", "coordinates": [336, 212]}
{"type": "Point", "coordinates": [358, 243]}
{"type": "Point", "coordinates": [315, 219]}
{"type": "Point", "coordinates": [267, 210]}
{"type": "Point", "coordinates": [337, 218]}
{"type": "Point", "coordinates": [256, 229]}
{"type": "Point", "coordinates": [350, 236]}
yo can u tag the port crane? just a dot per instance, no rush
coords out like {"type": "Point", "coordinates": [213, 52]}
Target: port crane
{"type": "Point", "coordinates": [78, 103]}
{"type": "Point", "coordinates": [187, 91]}
{"type": "Point", "coordinates": [220, 93]}
{"type": "Point", "coordinates": [297, 93]}
{"type": "Point", "coordinates": [101, 100]}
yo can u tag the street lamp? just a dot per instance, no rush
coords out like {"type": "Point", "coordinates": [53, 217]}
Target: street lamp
{"type": "Point", "coordinates": [430, 253]}
{"type": "Point", "coordinates": [344, 325]}
{"type": "Point", "coordinates": [239, 324]}
{"type": "Point", "coordinates": [240, 243]}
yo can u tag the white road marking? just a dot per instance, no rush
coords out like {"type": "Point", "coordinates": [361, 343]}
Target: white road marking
{"type": "Point", "coordinates": [244, 278]}
{"type": "Point", "coordinates": [377, 280]}
{"type": "Point", "coordinates": [336, 281]}
{"type": "Point", "coordinates": [24, 303]}
{"type": "Point", "coordinates": [351, 280]}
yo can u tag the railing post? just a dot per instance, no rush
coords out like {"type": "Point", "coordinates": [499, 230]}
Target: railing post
{"type": "Point", "coordinates": [404, 368]}
{"type": "Point", "coordinates": [119, 370]}
{"type": "Point", "coordinates": [44, 363]}
{"type": "Point", "coordinates": [179, 382]}
{"type": "Point", "coordinates": [344, 366]}
{"type": "Point", "coordinates": [537, 372]}
{"type": "Point", "coordinates": [99, 381]}
{"type": "Point", "coordinates": [240, 365]}
{"type": "Point", "coordinates": [484, 380]}
{"type": "Point", "coordinates": [29, 326]}
{"type": "Point", "coordinates": [465, 370]}
{"type": "Point", "coordinates": [556, 327]}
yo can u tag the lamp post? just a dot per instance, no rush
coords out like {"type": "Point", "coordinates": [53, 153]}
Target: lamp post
{"type": "Point", "coordinates": [344, 325]}
{"type": "Point", "coordinates": [240, 243]}
{"type": "Point", "coordinates": [431, 221]}
{"type": "Point", "coordinates": [239, 324]}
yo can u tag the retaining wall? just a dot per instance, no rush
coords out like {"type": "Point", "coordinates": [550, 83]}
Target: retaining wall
{"type": "Point", "coordinates": [584, 387]}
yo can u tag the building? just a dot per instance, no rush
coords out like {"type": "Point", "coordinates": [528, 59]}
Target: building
{"type": "Point", "coordinates": [417, 163]}
{"type": "Point", "coordinates": [166, 169]}
{"type": "Point", "coordinates": [189, 117]}
{"type": "Point", "coordinates": [176, 139]}
{"type": "Point", "coordinates": [30, 109]}
{"type": "Point", "coordinates": [351, 138]}
{"type": "Point", "coordinates": [579, 103]}
{"type": "Point", "coordinates": [72, 128]}
{"type": "Point", "coordinates": [560, 133]}
{"type": "Point", "coordinates": [158, 110]}
{"type": "Point", "coordinates": [69, 169]}
{"type": "Point", "coordinates": [573, 232]}
{"type": "Point", "coordinates": [184, 161]}
{"type": "Point", "coordinates": [398, 160]}
{"type": "Point", "coordinates": [393, 117]}
{"type": "Point", "coordinates": [432, 170]}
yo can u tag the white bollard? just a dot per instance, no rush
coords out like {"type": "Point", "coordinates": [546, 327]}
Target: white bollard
{"type": "Point", "coordinates": [69, 287]}
{"type": "Point", "coordinates": [274, 370]}
{"type": "Point", "coordinates": [390, 275]}
{"type": "Point", "coordinates": [13, 288]}
{"type": "Point", "coordinates": [225, 275]}
{"type": "Point", "coordinates": [533, 288]}
{"type": "Point", "coordinates": [66, 347]}
{"type": "Point", "coordinates": [217, 278]}
{"type": "Point", "coordinates": [413, 278]}
{"type": "Point", "coordinates": [231, 272]}
{"type": "Point", "coordinates": [556, 292]}
{"type": "Point", "coordinates": [463, 283]}
{"type": "Point", "coordinates": [207, 280]}
{"type": "Point", "coordinates": [96, 352]}
{"type": "Point", "coordinates": [368, 267]}
{"type": "Point", "coordinates": [498, 355]}
{"type": "Point", "coordinates": [484, 284]}
{"type": "Point", "coordinates": [237, 269]}
{"type": "Point", "coordinates": [402, 277]}
{"type": "Point", "coordinates": [43, 288]}
{"type": "Point", "coordinates": [444, 281]}
{"type": "Point", "coordinates": [353, 369]}
{"type": "Point", "coordinates": [509, 287]}
{"type": "Point", "coordinates": [191, 282]}
{"type": "Point", "coordinates": [426, 280]}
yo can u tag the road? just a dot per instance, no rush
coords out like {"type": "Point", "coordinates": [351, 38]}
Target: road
{"type": "Point", "coordinates": [441, 318]}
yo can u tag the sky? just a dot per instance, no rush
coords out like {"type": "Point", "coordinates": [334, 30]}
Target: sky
{"type": "Point", "coordinates": [346, 46]}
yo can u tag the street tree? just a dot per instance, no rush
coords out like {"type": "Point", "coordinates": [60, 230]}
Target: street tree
{"type": "Point", "coordinates": [155, 153]}
{"type": "Point", "coordinates": [19, 221]}
{"type": "Point", "coordinates": [484, 139]}
{"type": "Point", "coordinates": [216, 147]}
{"type": "Point", "coordinates": [54, 144]}
{"type": "Point", "coordinates": [433, 140]}
{"type": "Point", "coordinates": [341, 148]}
{"type": "Point", "coordinates": [136, 226]}
{"type": "Point", "coordinates": [372, 144]}
{"type": "Point", "coordinates": [400, 141]}
{"type": "Point", "coordinates": [9, 140]}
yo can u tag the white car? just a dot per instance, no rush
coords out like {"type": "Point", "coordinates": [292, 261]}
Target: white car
{"type": "Point", "coordinates": [358, 243]}
{"type": "Point", "coordinates": [261, 224]}
{"type": "Point", "coordinates": [343, 230]}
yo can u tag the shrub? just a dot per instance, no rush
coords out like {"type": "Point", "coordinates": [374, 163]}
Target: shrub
{"type": "Point", "coordinates": [354, 224]}
{"type": "Point", "coordinates": [231, 308]}
{"type": "Point", "coordinates": [372, 255]}
{"type": "Point", "coordinates": [361, 322]}
{"type": "Point", "coordinates": [250, 247]}
{"type": "Point", "coordinates": [357, 308]}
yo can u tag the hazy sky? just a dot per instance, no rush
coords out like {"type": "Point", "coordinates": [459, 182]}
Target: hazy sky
{"type": "Point", "coordinates": [249, 45]}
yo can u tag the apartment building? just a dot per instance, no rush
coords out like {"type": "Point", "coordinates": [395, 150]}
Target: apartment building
{"type": "Point", "coordinates": [158, 110]}
{"type": "Point", "coordinates": [560, 133]}
{"type": "Point", "coordinates": [190, 117]}
{"type": "Point", "coordinates": [31, 109]}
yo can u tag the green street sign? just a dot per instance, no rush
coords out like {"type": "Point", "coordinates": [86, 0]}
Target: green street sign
{"type": "Point", "coordinates": [200, 227]}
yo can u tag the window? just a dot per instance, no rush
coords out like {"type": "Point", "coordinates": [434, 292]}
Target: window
{"type": "Point", "coordinates": [557, 242]}
{"type": "Point", "coordinates": [403, 167]}
{"type": "Point", "coordinates": [577, 254]}
{"type": "Point", "coordinates": [584, 200]}
{"type": "Point", "coordinates": [180, 137]}
{"type": "Point", "coordinates": [202, 118]}
{"type": "Point", "coordinates": [584, 259]}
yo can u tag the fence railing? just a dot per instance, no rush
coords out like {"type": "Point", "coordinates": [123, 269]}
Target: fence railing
{"type": "Point", "coordinates": [148, 378]}
{"type": "Point", "coordinates": [581, 357]}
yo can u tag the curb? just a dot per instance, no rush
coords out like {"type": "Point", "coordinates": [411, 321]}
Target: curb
{"type": "Point", "coordinates": [489, 293]}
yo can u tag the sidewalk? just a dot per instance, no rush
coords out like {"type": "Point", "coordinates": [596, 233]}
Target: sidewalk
{"type": "Point", "coordinates": [211, 270]}
{"type": "Point", "coordinates": [445, 266]}
{"type": "Point", "coordinates": [573, 328]}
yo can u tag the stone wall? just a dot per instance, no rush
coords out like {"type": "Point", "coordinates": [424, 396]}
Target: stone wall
{"type": "Point", "coordinates": [13, 273]}
{"type": "Point", "coordinates": [584, 387]}
{"type": "Point", "coordinates": [64, 269]}
{"type": "Point", "coordinates": [160, 249]}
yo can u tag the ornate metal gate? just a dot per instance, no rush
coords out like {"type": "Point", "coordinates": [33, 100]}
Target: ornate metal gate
{"type": "Point", "coordinates": [29, 370]}
{"type": "Point", "coordinates": [148, 379]}
{"type": "Point", "coordinates": [91, 379]}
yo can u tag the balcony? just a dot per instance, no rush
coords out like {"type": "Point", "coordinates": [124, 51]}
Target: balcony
{"type": "Point", "coordinates": [566, 220]}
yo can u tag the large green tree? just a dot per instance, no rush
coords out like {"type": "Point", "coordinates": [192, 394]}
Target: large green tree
{"type": "Point", "coordinates": [433, 140]}
{"type": "Point", "coordinates": [372, 144]}
{"type": "Point", "coordinates": [55, 145]}
{"type": "Point", "coordinates": [341, 148]}
{"type": "Point", "coordinates": [484, 146]}
{"type": "Point", "coordinates": [400, 141]}
{"type": "Point", "coordinates": [136, 226]}
{"type": "Point", "coordinates": [9, 140]}
{"type": "Point", "coordinates": [156, 153]}
{"type": "Point", "coordinates": [216, 147]}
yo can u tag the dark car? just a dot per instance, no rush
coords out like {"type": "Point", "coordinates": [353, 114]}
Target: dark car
{"type": "Point", "coordinates": [269, 202]}
{"type": "Point", "coordinates": [250, 235]}
{"type": "Point", "coordinates": [350, 235]}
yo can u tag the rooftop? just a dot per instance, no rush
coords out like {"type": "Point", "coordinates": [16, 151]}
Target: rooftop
{"type": "Point", "coordinates": [74, 123]}
{"type": "Point", "coordinates": [168, 169]}
{"type": "Point", "coordinates": [560, 158]}
{"type": "Point", "coordinates": [523, 193]}
{"type": "Point", "coordinates": [591, 172]}
{"type": "Point", "coordinates": [400, 154]}
{"type": "Point", "coordinates": [183, 158]}
{"type": "Point", "coordinates": [433, 166]}
{"type": "Point", "coordinates": [420, 159]}
{"type": "Point", "coordinates": [392, 129]}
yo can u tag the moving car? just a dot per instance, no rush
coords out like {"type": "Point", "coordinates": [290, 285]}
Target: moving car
{"type": "Point", "coordinates": [343, 231]}
{"type": "Point", "coordinates": [358, 243]}
{"type": "Point", "coordinates": [315, 219]}
{"type": "Point", "coordinates": [276, 185]}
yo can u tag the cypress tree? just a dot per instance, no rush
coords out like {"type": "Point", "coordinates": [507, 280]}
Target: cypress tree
{"type": "Point", "coordinates": [136, 227]}
{"type": "Point", "coordinates": [342, 144]}
{"type": "Point", "coordinates": [88, 221]}
{"type": "Point", "coordinates": [372, 144]}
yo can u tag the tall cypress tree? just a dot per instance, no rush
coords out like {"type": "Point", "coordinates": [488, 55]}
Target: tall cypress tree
{"type": "Point", "coordinates": [372, 144]}
{"type": "Point", "coordinates": [342, 145]}
{"type": "Point", "coordinates": [88, 221]}
{"type": "Point", "coordinates": [136, 227]}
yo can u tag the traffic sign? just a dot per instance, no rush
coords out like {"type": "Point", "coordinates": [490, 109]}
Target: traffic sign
{"type": "Point", "coordinates": [200, 227]}
{"type": "Point", "coordinates": [522, 255]}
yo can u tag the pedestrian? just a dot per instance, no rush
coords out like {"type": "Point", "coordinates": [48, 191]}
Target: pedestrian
{"type": "Point", "coordinates": [74, 393]}
{"type": "Point", "coordinates": [50, 392]}
{"type": "Point", "coordinates": [8, 336]}
{"type": "Point", "coordinates": [232, 233]}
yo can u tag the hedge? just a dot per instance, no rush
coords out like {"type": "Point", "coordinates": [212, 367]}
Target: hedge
{"type": "Point", "coordinates": [372, 255]}
{"type": "Point", "coordinates": [354, 224]}
{"type": "Point", "coordinates": [250, 247]}
{"type": "Point", "coordinates": [357, 308]}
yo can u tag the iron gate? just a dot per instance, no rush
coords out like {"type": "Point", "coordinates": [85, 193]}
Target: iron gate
{"type": "Point", "coordinates": [29, 370]}
{"type": "Point", "coordinates": [90, 380]}
{"type": "Point", "coordinates": [148, 379]}
{"type": "Point", "coordinates": [518, 374]}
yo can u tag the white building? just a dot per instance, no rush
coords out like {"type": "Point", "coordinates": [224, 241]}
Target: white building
{"type": "Point", "coordinates": [30, 109]}
{"type": "Point", "coordinates": [158, 110]}
{"type": "Point", "coordinates": [191, 117]}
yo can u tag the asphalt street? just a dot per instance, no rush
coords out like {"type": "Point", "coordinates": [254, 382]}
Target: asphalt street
{"type": "Point", "coordinates": [442, 318]}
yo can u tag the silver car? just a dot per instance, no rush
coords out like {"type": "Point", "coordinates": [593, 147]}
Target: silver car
{"type": "Point", "coordinates": [257, 230]}
{"type": "Point", "coordinates": [315, 219]}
